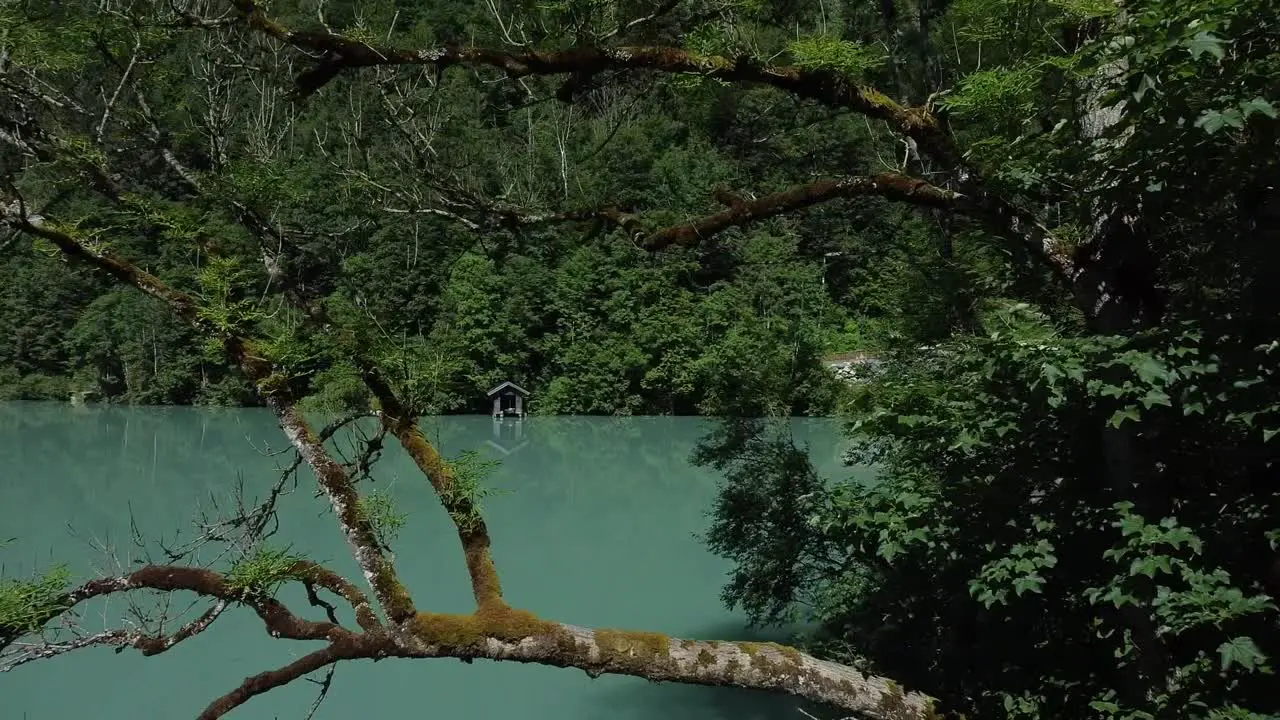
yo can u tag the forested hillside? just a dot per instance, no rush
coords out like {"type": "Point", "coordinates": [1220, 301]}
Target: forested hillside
{"type": "Point", "coordinates": [582, 317]}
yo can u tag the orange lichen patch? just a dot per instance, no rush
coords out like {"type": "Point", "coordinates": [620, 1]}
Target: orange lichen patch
{"type": "Point", "coordinates": [498, 622]}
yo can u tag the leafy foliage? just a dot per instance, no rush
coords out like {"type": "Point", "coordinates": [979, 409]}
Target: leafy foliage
{"type": "Point", "coordinates": [832, 53]}
{"type": "Point", "coordinates": [262, 573]}
{"type": "Point", "coordinates": [378, 509]}
{"type": "Point", "coordinates": [1068, 521]}
{"type": "Point", "coordinates": [991, 492]}
{"type": "Point", "coordinates": [470, 470]}
{"type": "Point", "coordinates": [25, 605]}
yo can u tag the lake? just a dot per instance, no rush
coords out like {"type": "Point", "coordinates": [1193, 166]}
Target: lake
{"type": "Point", "coordinates": [596, 525]}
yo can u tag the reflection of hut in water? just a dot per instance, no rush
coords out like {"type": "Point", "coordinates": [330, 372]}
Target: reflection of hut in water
{"type": "Point", "coordinates": [508, 437]}
{"type": "Point", "coordinates": [508, 400]}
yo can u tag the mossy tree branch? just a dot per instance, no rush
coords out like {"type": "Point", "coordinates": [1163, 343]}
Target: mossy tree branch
{"type": "Point", "coordinates": [739, 212]}
{"type": "Point", "coordinates": [496, 632]}
{"type": "Point", "coordinates": [744, 212]}
{"type": "Point", "coordinates": [332, 477]}
{"type": "Point", "coordinates": [279, 620]}
{"type": "Point", "coordinates": [338, 52]}
{"type": "Point", "coordinates": [402, 422]}
{"type": "Point", "coordinates": [513, 635]}
{"type": "Point", "coordinates": [932, 138]}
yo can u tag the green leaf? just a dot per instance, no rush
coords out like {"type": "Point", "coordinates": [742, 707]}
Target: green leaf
{"type": "Point", "coordinates": [827, 52]}
{"type": "Point", "coordinates": [1211, 121]}
{"type": "Point", "coordinates": [1258, 105]}
{"type": "Point", "coordinates": [1028, 583]}
{"type": "Point", "coordinates": [1240, 651]}
{"type": "Point", "coordinates": [1156, 397]}
{"type": "Point", "coordinates": [1205, 42]}
{"type": "Point", "coordinates": [1129, 413]}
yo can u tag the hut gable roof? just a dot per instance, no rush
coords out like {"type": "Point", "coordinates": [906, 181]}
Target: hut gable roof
{"type": "Point", "coordinates": [506, 385]}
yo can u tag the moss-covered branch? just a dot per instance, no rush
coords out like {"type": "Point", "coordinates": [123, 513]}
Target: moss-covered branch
{"type": "Point", "coordinates": [501, 633]}
{"type": "Point", "coordinates": [279, 620]}
{"type": "Point", "coordinates": [339, 52]}
{"type": "Point", "coordinates": [334, 480]}
{"type": "Point", "coordinates": [822, 84]}
{"type": "Point", "coordinates": [402, 422]}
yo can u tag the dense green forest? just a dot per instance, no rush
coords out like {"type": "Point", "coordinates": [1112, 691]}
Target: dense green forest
{"type": "Point", "coordinates": [586, 320]}
{"type": "Point", "coordinates": [1057, 221]}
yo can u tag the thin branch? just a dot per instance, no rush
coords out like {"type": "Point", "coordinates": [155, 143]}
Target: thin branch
{"type": "Point", "coordinates": [279, 620]}
{"type": "Point", "coordinates": [662, 9]}
{"type": "Point", "coordinates": [124, 79]}
{"type": "Point", "coordinates": [48, 650]}
{"type": "Point", "coordinates": [325, 686]}
{"type": "Point", "coordinates": [330, 611]}
{"type": "Point", "coordinates": [264, 682]}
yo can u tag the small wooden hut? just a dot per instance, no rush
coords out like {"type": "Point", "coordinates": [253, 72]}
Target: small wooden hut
{"type": "Point", "coordinates": [508, 400]}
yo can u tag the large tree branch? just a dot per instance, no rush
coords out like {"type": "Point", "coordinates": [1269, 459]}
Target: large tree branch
{"type": "Point", "coordinates": [499, 633]}
{"type": "Point", "coordinates": [996, 214]}
{"type": "Point", "coordinates": [743, 212]}
{"type": "Point", "coordinates": [513, 635]}
{"type": "Point", "coordinates": [279, 620]}
{"type": "Point", "coordinates": [332, 477]}
{"type": "Point", "coordinates": [833, 88]}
